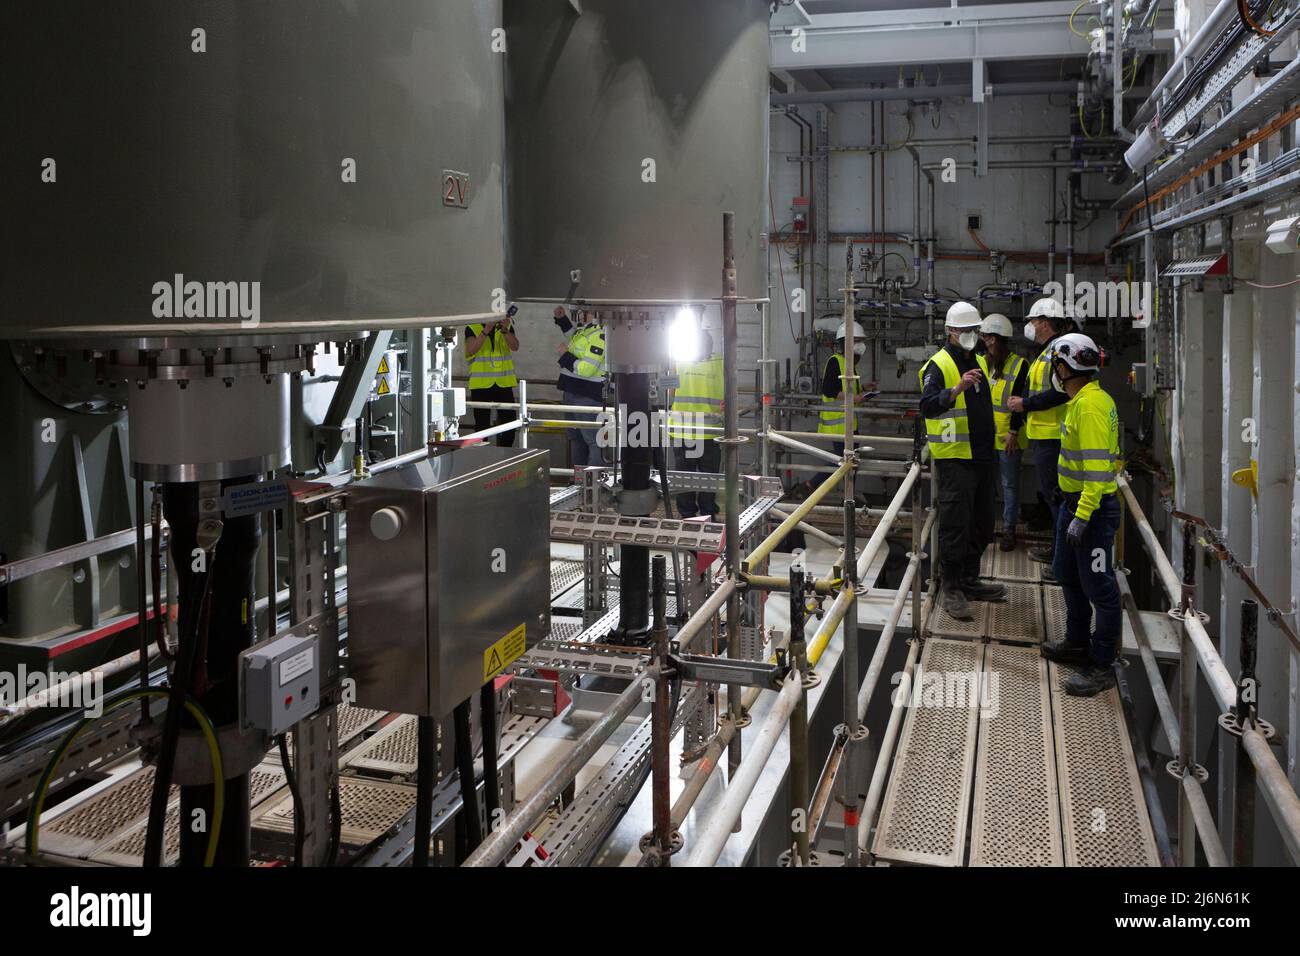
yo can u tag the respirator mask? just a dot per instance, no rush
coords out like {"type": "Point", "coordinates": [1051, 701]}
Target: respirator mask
{"type": "Point", "coordinates": [968, 340]}
{"type": "Point", "coordinates": [1031, 333]}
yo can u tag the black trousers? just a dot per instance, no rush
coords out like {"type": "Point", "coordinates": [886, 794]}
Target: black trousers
{"type": "Point", "coordinates": [483, 416]}
{"type": "Point", "coordinates": [1045, 452]}
{"type": "Point", "coordinates": [967, 511]}
{"type": "Point", "coordinates": [691, 504]}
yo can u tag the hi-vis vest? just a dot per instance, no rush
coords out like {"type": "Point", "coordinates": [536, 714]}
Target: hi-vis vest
{"type": "Point", "coordinates": [587, 345]}
{"type": "Point", "coordinates": [1089, 448]}
{"type": "Point", "coordinates": [1047, 423]}
{"type": "Point", "coordinates": [698, 400]}
{"type": "Point", "coordinates": [492, 364]}
{"type": "Point", "coordinates": [1000, 392]}
{"type": "Point", "coordinates": [831, 420]}
{"type": "Point", "coordinates": [949, 434]}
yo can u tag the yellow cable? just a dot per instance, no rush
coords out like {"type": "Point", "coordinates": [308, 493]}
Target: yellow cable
{"type": "Point", "coordinates": [214, 754]}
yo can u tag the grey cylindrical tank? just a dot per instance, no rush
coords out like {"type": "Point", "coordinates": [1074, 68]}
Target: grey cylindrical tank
{"type": "Point", "coordinates": [224, 156]}
{"type": "Point", "coordinates": [590, 99]}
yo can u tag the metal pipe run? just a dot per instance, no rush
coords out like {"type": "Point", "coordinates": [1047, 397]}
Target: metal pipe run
{"type": "Point", "coordinates": [813, 530]}
{"type": "Point", "coordinates": [768, 544]}
{"type": "Point", "coordinates": [1274, 785]}
{"type": "Point", "coordinates": [833, 617]}
{"type": "Point", "coordinates": [881, 772]}
{"type": "Point", "coordinates": [713, 835]}
{"type": "Point", "coordinates": [868, 94]}
{"type": "Point", "coordinates": [799, 446]}
{"type": "Point", "coordinates": [731, 468]}
{"type": "Point", "coordinates": [502, 840]}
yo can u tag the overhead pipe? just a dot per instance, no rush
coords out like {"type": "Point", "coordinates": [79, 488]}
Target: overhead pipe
{"type": "Point", "coordinates": [1208, 30]}
{"type": "Point", "coordinates": [1274, 785]}
{"type": "Point", "coordinates": [871, 94]}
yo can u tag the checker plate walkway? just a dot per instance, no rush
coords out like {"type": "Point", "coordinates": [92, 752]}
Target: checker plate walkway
{"type": "Point", "coordinates": [996, 765]}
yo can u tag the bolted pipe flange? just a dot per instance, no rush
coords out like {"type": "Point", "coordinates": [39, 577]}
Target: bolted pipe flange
{"type": "Point", "coordinates": [1175, 769]}
{"type": "Point", "coordinates": [790, 859]}
{"type": "Point", "coordinates": [744, 721]}
{"type": "Point", "coordinates": [1236, 726]}
{"type": "Point", "coordinates": [1177, 614]}
{"type": "Point", "coordinates": [810, 680]}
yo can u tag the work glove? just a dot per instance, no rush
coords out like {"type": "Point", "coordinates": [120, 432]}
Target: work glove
{"type": "Point", "coordinates": [1074, 534]}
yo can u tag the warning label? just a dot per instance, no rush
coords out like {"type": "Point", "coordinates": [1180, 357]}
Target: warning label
{"type": "Point", "coordinates": [383, 365]}
{"type": "Point", "coordinates": [383, 387]}
{"type": "Point", "coordinates": [503, 653]}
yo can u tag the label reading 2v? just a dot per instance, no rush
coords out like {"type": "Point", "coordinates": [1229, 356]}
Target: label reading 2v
{"type": "Point", "coordinates": [503, 653]}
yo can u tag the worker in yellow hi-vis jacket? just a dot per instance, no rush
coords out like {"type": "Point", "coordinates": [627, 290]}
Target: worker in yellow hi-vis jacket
{"type": "Point", "coordinates": [1089, 517]}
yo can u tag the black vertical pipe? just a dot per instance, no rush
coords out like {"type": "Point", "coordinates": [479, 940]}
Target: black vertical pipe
{"type": "Point", "coordinates": [634, 561]}
{"type": "Point", "coordinates": [143, 623]}
{"type": "Point", "coordinates": [425, 771]}
{"type": "Point", "coordinates": [469, 833]}
{"type": "Point", "coordinates": [661, 722]}
{"type": "Point", "coordinates": [208, 664]}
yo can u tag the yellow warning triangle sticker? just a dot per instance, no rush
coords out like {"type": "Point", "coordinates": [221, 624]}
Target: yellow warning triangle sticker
{"type": "Point", "coordinates": [494, 662]}
{"type": "Point", "coordinates": [383, 387]}
{"type": "Point", "coordinates": [383, 366]}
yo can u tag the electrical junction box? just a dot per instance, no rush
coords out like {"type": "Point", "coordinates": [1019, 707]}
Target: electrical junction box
{"type": "Point", "coordinates": [446, 403]}
{"type": "Point", "coordinates": [279, 683]}
{"type": "Point", "coordinates": [449, 575]}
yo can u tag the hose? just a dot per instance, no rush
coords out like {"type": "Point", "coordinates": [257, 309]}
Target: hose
{"type": "Point", "coordinates": [214, 755]}
{"type": "Point", "coordinates": [426, 750]}
{"type": "Point", "coordinates": [468, 832]}
{"type": "Point", "coordinates": [299, 837]}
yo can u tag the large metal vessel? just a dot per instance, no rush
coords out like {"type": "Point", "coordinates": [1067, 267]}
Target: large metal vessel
{"type": "Point", "coordinates": [346, 157]}
{"type": "Point", "coordinates": [631, 128]}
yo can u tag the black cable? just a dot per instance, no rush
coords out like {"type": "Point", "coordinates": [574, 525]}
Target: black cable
{"type": "Point", "coordinates": [336, 824]}
{"type": "Point", "coordinates": [180, 680]}
{"type": "Point", "coordinates": [468, 832]}
{"type": "Point", "coordinates": [1146, 197]}
{"type": "Point", "coordinates": [291, 778]}
{"type": "Point", "coordinates": [425, 772]}
{"type": "Point", "coordinates": [487, 702]}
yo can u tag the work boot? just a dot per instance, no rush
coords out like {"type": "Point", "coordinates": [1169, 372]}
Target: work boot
{"type": "Point", "coordinates": [1007, 541]}
{"type": "Point", "coordinates": [1043, 555]}
{"type": "Point", "coordinates": [1090, 681]}
{"type": "Point", "coordinates": [1063, 652]}
{"type": "Point", "coordinates": [954, 603]}
{"type": "Point", "coordinates": [1049, 576]}
{"type": "Point", "coordinates": [984, 591]}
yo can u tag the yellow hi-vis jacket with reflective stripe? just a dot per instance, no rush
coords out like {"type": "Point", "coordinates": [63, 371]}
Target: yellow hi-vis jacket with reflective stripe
{"type": "Point", "coordinates": [492, 364]}
{"type": "Point", "coordinates": [1047, 423]}
{"type": "Point", "coordinates": [831, 420]}
{"type": "Point", "coordinates": [698, 400]}
{"type": "Point", "coordinates": [587, 344]}
{"type": "Point", "coordinates": [949, 434]}
{"type": "Point", "coordinates": [1089, 448]}
{"type": "Point", "coordinates": [1000, 392]}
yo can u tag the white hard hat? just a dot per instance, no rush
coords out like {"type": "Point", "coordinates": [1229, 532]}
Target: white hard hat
{"type": "Point", "coordinates": [1077, 351]}
{"type": "Point", "coordinates": [962, 315]}
{"type": "Point", "coordinates": [996, 324]}
{"type": "Point", "coordinates": [842, 331]}
{"type": "Point", "coordinates": [1047, 308]}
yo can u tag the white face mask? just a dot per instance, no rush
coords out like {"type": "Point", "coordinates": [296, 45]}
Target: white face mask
{"type": "Point", "coordinates": [1031, 332]}
{"type": "Point", "coordinates": [859, 348]}
{"type": "Point", "coordinates": [1056, 383]}
{"type": "Point", "coordinates": [968, 340]}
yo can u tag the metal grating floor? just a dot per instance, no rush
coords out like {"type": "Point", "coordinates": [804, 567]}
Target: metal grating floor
{"type": "Point", "coordinates": [565, 574]}
{"type": "Point", "coordinates": [103, 817]}
{"type": "Point", "coordinates": [369, 808]}
{"type": "Point", "coordinates": [943, 624]}
{"type": "Point", "coordinates": [1016, 820]}
{"type": "Point", "coordinates": [1019, 618]}
{"type": "Point", "coordinates": [1015, 565]}
{"type": "Point", "coordinates": [924, 814]}
{"type": "Point", "coordinates": [390, 751]}
{"type": "Point", "coordinates": [1103, 809]}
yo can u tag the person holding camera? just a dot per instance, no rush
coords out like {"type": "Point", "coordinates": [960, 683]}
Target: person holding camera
{"type": "Point", "coordinates": [488, 350]}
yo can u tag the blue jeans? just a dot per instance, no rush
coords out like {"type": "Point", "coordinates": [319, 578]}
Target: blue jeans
{"type": "Point", "coordinates": [1045, 452]}
{"type": "Point", "coordinates": [582, 441]}
{"type": "Point", "coordinates": [1087, 578]}
{"type": "Point", "coordinates": [1009, 469]}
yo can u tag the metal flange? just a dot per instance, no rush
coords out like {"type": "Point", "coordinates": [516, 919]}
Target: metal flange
{"type": "Point", "coordinates": [1236, 726]}
{"type": "Point", "coordinates": [1175, 770]}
